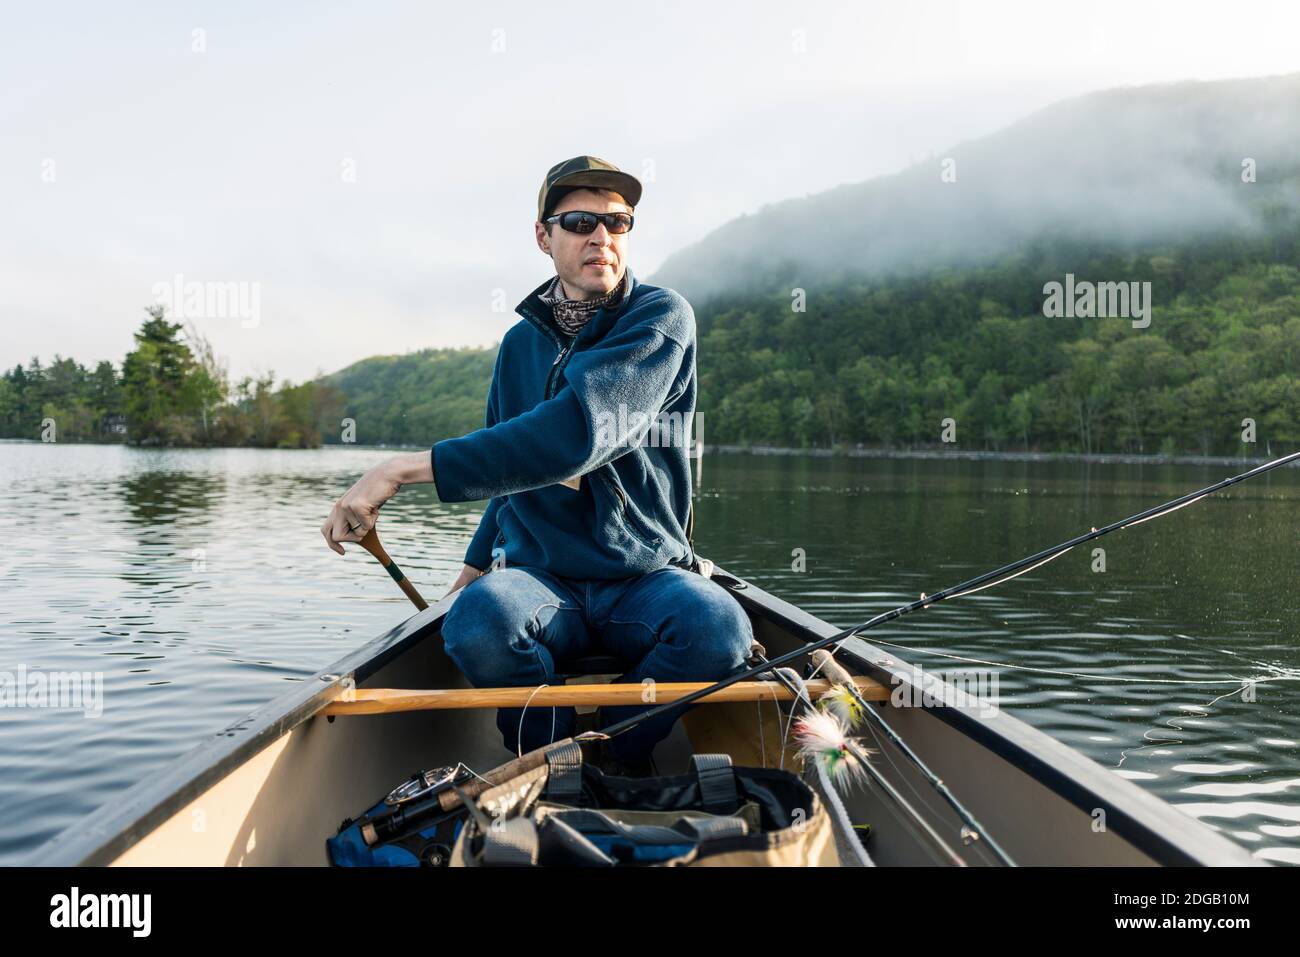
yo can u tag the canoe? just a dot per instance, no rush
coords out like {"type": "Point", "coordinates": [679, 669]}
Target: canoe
{"type": "Point", "coordinates": [270, 788]}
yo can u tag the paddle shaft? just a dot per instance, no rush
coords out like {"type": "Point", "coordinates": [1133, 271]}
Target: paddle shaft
{"type": "Point", "coordinates": [371, 544]}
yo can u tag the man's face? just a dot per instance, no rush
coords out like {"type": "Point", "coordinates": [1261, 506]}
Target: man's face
{"type": "Point", "coordinates": [589, 264]}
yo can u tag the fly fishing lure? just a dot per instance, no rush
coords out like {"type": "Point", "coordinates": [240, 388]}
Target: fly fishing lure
{"type": "Point", "coordinates": [823, 739]}
{"type": "Point", "coordinates": [844, 705]}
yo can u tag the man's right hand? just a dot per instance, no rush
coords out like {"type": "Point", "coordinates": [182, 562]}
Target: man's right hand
{"type": "Point", "coordinates": [467, 575]}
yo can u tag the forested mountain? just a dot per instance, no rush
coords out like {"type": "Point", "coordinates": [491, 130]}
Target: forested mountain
{"type": "Point", "coordinates": [416, 399]}
{"type": "Point", "coordinates": [885, 363]}
{"type": "Point", "coordinates": [1127, 168]}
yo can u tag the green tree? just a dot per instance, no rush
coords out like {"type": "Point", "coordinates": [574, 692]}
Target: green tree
{"type": "Point", "coordinates": [154, 376]}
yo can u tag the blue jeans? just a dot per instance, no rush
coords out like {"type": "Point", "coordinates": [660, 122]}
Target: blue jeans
{"type": "Point", "coordinates": [509, 628]}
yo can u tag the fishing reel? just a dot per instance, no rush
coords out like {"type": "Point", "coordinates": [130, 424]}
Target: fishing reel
{"type": "Point", "coordinates": [415, 805]}
{"type": "Point", "coordinates": [421, 784]}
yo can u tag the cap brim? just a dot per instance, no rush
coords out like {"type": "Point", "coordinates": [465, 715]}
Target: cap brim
{"type": "Point", "coordinates": [625, 184]}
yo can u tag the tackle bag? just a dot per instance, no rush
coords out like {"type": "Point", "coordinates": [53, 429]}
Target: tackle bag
{"type": "Point", "coordinates": [568, 813]}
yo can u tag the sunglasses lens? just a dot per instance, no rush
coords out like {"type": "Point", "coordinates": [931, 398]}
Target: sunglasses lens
{"type": "Point", "coordinates": [579, 222]}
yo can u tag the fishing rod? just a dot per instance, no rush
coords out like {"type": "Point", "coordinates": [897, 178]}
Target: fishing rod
{"type": "Point", "coordinates": [968, 587]}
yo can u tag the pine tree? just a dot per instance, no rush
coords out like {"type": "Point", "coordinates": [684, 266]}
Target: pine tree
{"type": "Point", "coordinates": [153, 383]}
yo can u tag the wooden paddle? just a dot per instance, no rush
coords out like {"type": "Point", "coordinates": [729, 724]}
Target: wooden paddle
{"type": "Point", "coordinates": [371, 544]}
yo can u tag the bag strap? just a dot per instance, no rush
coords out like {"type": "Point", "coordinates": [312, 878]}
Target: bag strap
{"type": "Point", "coordinates": [718, 792]}
{"type": "Point", "coordinates": [564, 773]}
{"type": "Point", "coordinates": [510, 842]}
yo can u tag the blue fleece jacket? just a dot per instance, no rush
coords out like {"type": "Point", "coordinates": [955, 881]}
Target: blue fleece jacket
{"type": "Point", "coordinates": [612, 405]}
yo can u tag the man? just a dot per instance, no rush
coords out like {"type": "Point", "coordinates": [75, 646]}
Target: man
{"type": "Point", "coordinates": [584, 460]}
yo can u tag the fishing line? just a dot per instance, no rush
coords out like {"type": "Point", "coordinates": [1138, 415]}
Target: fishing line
{"type": "Point", "coordinates": [519, 736]}
{"type": "Point", "coordinates": [799, 692]}
{"type": "Point", "coordinates": [1174, 509]}
{"type": "Point", "coordinates": [1124, 753]}
{"type": "Point", "coordinates": [1200, 712]}
{"type": "Point", "coordinates": [762, 737]}
{"type": "Point", "coordinates": [776, 704]}
{"type": "Point", "coordinates": [1022, 571]}
{"type": "Point", "coordinates": [789, 720]}
{"type": "Point", "coordinates": [1079, 674]}
{"type": "Point", "coordinates": [1265, 665]}
{"type": "Point", "coordinates": [462, 764]}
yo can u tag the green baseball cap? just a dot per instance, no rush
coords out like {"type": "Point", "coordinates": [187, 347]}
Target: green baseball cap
{"type": "Point", "coordinates": [587, 171]}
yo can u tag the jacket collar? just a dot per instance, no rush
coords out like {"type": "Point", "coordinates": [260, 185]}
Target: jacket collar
{"type": "Point", "coordinates": [540, 314]}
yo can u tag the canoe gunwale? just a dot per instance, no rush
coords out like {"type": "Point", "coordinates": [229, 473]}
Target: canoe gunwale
{"type": "Point", "coordinates": [1146, 821]}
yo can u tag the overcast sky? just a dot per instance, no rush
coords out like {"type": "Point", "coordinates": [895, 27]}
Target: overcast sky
{"type": "Point", "coordinates": [371, 170]}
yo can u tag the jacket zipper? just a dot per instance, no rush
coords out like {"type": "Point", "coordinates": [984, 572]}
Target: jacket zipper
{"type": "Point", "coordinates": [550, 378]}
{"type": "Point", "coordinates": [556, 365]}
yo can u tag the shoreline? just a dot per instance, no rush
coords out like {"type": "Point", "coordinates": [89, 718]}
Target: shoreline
{"type": "Point", "coordinates": [1095, 458]}
{"type": "Point", "coordinates": [970, 455]}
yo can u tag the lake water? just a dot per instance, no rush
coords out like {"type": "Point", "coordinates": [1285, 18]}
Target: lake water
{"type": "Point", "coordinates": [197, 583]}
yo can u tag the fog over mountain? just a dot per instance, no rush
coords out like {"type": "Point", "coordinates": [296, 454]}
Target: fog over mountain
{"type": "Point", "coordinates": [1131, 166]}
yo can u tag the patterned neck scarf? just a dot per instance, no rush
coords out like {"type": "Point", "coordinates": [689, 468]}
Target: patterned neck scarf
{"type": "Point", "coordinates": [572, 314]}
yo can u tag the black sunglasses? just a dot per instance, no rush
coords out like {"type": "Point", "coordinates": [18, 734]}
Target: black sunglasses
{"type": "Point", "coordinates": [580, 221]}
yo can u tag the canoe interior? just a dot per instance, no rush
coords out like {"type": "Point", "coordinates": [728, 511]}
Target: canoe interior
{"type": "Point", "coordinates": [274, 797]}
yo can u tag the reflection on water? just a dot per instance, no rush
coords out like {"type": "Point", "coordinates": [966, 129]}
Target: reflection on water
{"type": "Point", "coordinates": [197, 583]}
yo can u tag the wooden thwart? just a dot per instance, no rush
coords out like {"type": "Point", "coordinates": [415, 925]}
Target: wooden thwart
{"type": "Point", "coordinates": [389, 700]}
